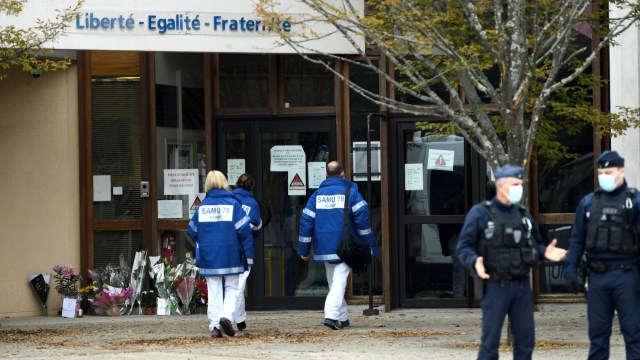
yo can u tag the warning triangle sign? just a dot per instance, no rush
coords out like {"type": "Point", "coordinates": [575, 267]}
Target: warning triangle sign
{"type": "Point", "coordinates": [196, 203]}
{"type": "Point", "coordinates": [297, 181]}
{"type": "Point", "coordinates": [440, 161]}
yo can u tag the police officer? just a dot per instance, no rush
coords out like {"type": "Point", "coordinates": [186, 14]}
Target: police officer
{"type": "Point", "coordinates": [606, 227]}
{"type": "Point", "coordinates": [499, 243]}
{"type": "Point", "coordinates": [322, 219]}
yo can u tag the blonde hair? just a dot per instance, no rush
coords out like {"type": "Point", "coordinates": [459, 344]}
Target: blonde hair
{"type": "Point", "coordinates": [216, 180]}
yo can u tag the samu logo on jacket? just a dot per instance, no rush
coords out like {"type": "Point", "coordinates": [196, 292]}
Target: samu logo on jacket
{"type": "Point", "coordinates": [330, 201]}
{"type": "Point", "coordinates": [213, 213]}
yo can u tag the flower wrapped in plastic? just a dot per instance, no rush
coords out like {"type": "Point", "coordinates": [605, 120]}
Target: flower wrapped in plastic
{"type": "Point", "coordinates": [164, 275]}
{"type": "Point", "coordinates": [138, 271]}
{"type": "Point", "coordinates": [40, 285]}
{"type": "Point", "coordinates": [112, 301]}
{"type": "Point", "coordinates": [185, 282]}
{"type": "Point", "coordinates": [112, 283]}
{"type": "Point", "coordinates": [115, 276]}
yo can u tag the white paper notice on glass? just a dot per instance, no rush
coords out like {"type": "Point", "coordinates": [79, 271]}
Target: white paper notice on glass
{"type": "Point", "coordinates": [413, 177]}
{"type": "Point", "coordinates": [169, 209]}
{"type": "Point", "coordinates": [101, 187]}
{"type": "Point", "coordinates": [441, 159]}
{"type": "Point", "coordinates": [69, 308]}
{"type": "Point", "coordinates": [235, 168]}
{"type": "Point", "coordinates": [296, 179]}
{"type": "Point", "coordinates": [181, 181]}
{"type": "Point", "coordinates": [360, 161]}
{"type": "Point", "coordinates": [287, 157]}
{"type": "Point", "coordinates": [317, 174]}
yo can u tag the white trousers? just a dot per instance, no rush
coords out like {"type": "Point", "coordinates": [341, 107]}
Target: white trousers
{"type": "Point", "coordinates": [240, 314]}
{"type": "Point", "coordinates": [222, 302]}
{"type": "Point", "coordinates": [335, 306]}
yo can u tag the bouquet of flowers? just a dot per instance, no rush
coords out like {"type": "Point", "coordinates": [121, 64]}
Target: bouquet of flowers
{"type": "Point", "coordinates": [67, 279]}
{"type": "Point", "coordinates": [112, 288]}
{"type": "Point", "coordinates": [87, 293]}
{"type": "Point", "coordinates": [202, 290]}
{"type": "Point", "coordinates": [137, 278]}
{"type": "Point", "coordinates": [185, 282]}
{"type": "Point", "coordinates": [40, 285]}
{"type": "Point", "coordinates": [112, 301]}
{"type": "Point", "coordinates": [164, 275]}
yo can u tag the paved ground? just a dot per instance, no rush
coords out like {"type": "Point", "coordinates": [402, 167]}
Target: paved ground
{"type": "Point", "coordinates": [561, 333]}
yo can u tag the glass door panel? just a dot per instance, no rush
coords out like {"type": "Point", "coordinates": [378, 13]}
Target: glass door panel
{"type": "Point", "coordinates": [434, 204]}
{"type": "Point", "coordinates": [284, 273]}
{"type": "Point", "coordinates": [279, 279]}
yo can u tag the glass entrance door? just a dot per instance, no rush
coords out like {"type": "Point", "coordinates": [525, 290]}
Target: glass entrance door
{"type": "Point", "coordinates": [279, 278]}
{"type": "Point", "coordinates": [436, 188]}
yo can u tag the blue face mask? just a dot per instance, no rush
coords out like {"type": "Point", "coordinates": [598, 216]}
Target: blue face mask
{"type": "Point", "coordinates": [515, 194]}
{"type": "Point", "coordinates": [607, 182]}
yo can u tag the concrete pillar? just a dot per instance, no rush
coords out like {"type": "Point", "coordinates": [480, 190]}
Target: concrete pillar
{"type": "Point", "coordinates": [625, 91]}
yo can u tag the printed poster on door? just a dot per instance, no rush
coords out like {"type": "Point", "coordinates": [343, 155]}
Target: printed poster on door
{"type": "Point", "coordinates": [287, 157]}
{"type": "Point", "coordinates": [297, 182]}
{"type": "Point", "coordinates": [440, 160]}
{"type": "Point", "coordinates": [181, 181]}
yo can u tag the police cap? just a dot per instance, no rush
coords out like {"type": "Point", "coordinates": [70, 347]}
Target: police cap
{"type": "Point", "coordinates": [610, 159]}
{"type": "Point", "coordinates": [509, 171]}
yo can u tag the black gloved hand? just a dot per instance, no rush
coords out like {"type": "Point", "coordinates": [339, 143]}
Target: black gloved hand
{"type": "Point", "coordinates": [575, 285]}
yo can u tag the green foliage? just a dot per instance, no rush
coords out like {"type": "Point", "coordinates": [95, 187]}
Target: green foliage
{"type": "Point", "coordinates": [24, 48]}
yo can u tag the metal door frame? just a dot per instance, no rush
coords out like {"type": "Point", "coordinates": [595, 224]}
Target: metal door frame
{"type": "Point", "coordinates": [475, 190]}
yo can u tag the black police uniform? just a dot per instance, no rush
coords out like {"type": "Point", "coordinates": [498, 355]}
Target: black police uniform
{"type": "Point", "coordinates": [508, 291]}
{"type": "Point", "coordinates": [606, 227]}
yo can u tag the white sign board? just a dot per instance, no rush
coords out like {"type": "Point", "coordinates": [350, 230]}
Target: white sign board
{"type": "Point", "coordinates": [296, 180]}
{"type": "Point", "coordinates": [413, 177]}
{"type": "Point", "coordinates": [101, 187]}
{"type": "Point", "coordinates": [317, 174]}
{"type": "Point", "coordinates": [440, 159]}
{"type": "Point", "coordinates": [169, 209]}
{"type": "Point", "coordinates": [188, 26]}
{"type": "Point", "coordinates": [181, 181]}
{"type": "Point", "coordinates": [360, 160]}
{"type": "Point", "coordinates": [69, 307]}
{"type": "Point", "coordinates": [287, 157]}
{"type": "Point", "coordinates": [235, 168]}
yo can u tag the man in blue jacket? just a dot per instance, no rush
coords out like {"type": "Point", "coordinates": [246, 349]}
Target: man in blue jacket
{"type": "Point", "coordinates": [606, 227]}
{"type": "Point", "coordinates": [499, 242]}
{"type": "Point", "coordinates": [322, 220]}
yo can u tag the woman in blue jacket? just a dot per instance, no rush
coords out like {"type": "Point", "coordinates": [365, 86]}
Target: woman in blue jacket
{"type": "Point", "coordinates": [220, 227]}
{"type": "Point", "coordinates": [243, 192]}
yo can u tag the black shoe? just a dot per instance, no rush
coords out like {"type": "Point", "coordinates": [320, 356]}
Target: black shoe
{"type": "Point", "coordinates": [242, 325]}
{"type": "Point", "coordinates": [227, 327]}
{"type": "Point", "coordinates": [216, 333]}
{"type": "Point", "coordinates": [345, 323]}
{"type": "Point", "coordinates": [333, 324]}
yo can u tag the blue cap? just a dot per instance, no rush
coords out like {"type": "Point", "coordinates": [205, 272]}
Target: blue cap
{"type": "Point", "coordinates": [509, 171]}
{"type": "Point", "coordinates": [610, 159]}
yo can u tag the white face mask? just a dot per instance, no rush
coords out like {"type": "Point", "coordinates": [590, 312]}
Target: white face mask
{"type": "Point", "coordinates": [515, 194]}
{"type": "Point", "coordinates": [607, 182]}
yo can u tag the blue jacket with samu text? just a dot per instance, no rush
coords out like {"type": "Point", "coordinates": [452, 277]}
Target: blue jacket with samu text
{"type": "Point", "coordinates": [251, 208]}
{"type": "Point", "coordinates": [323, 218]}
{"type": "Point", "coordinates": [220, 227]}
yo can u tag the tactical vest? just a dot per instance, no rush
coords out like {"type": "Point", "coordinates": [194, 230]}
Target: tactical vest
{"type": "Point", "coordinates": [507, 246]}
{"type": "Point", "coordinates": [610, 227]}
